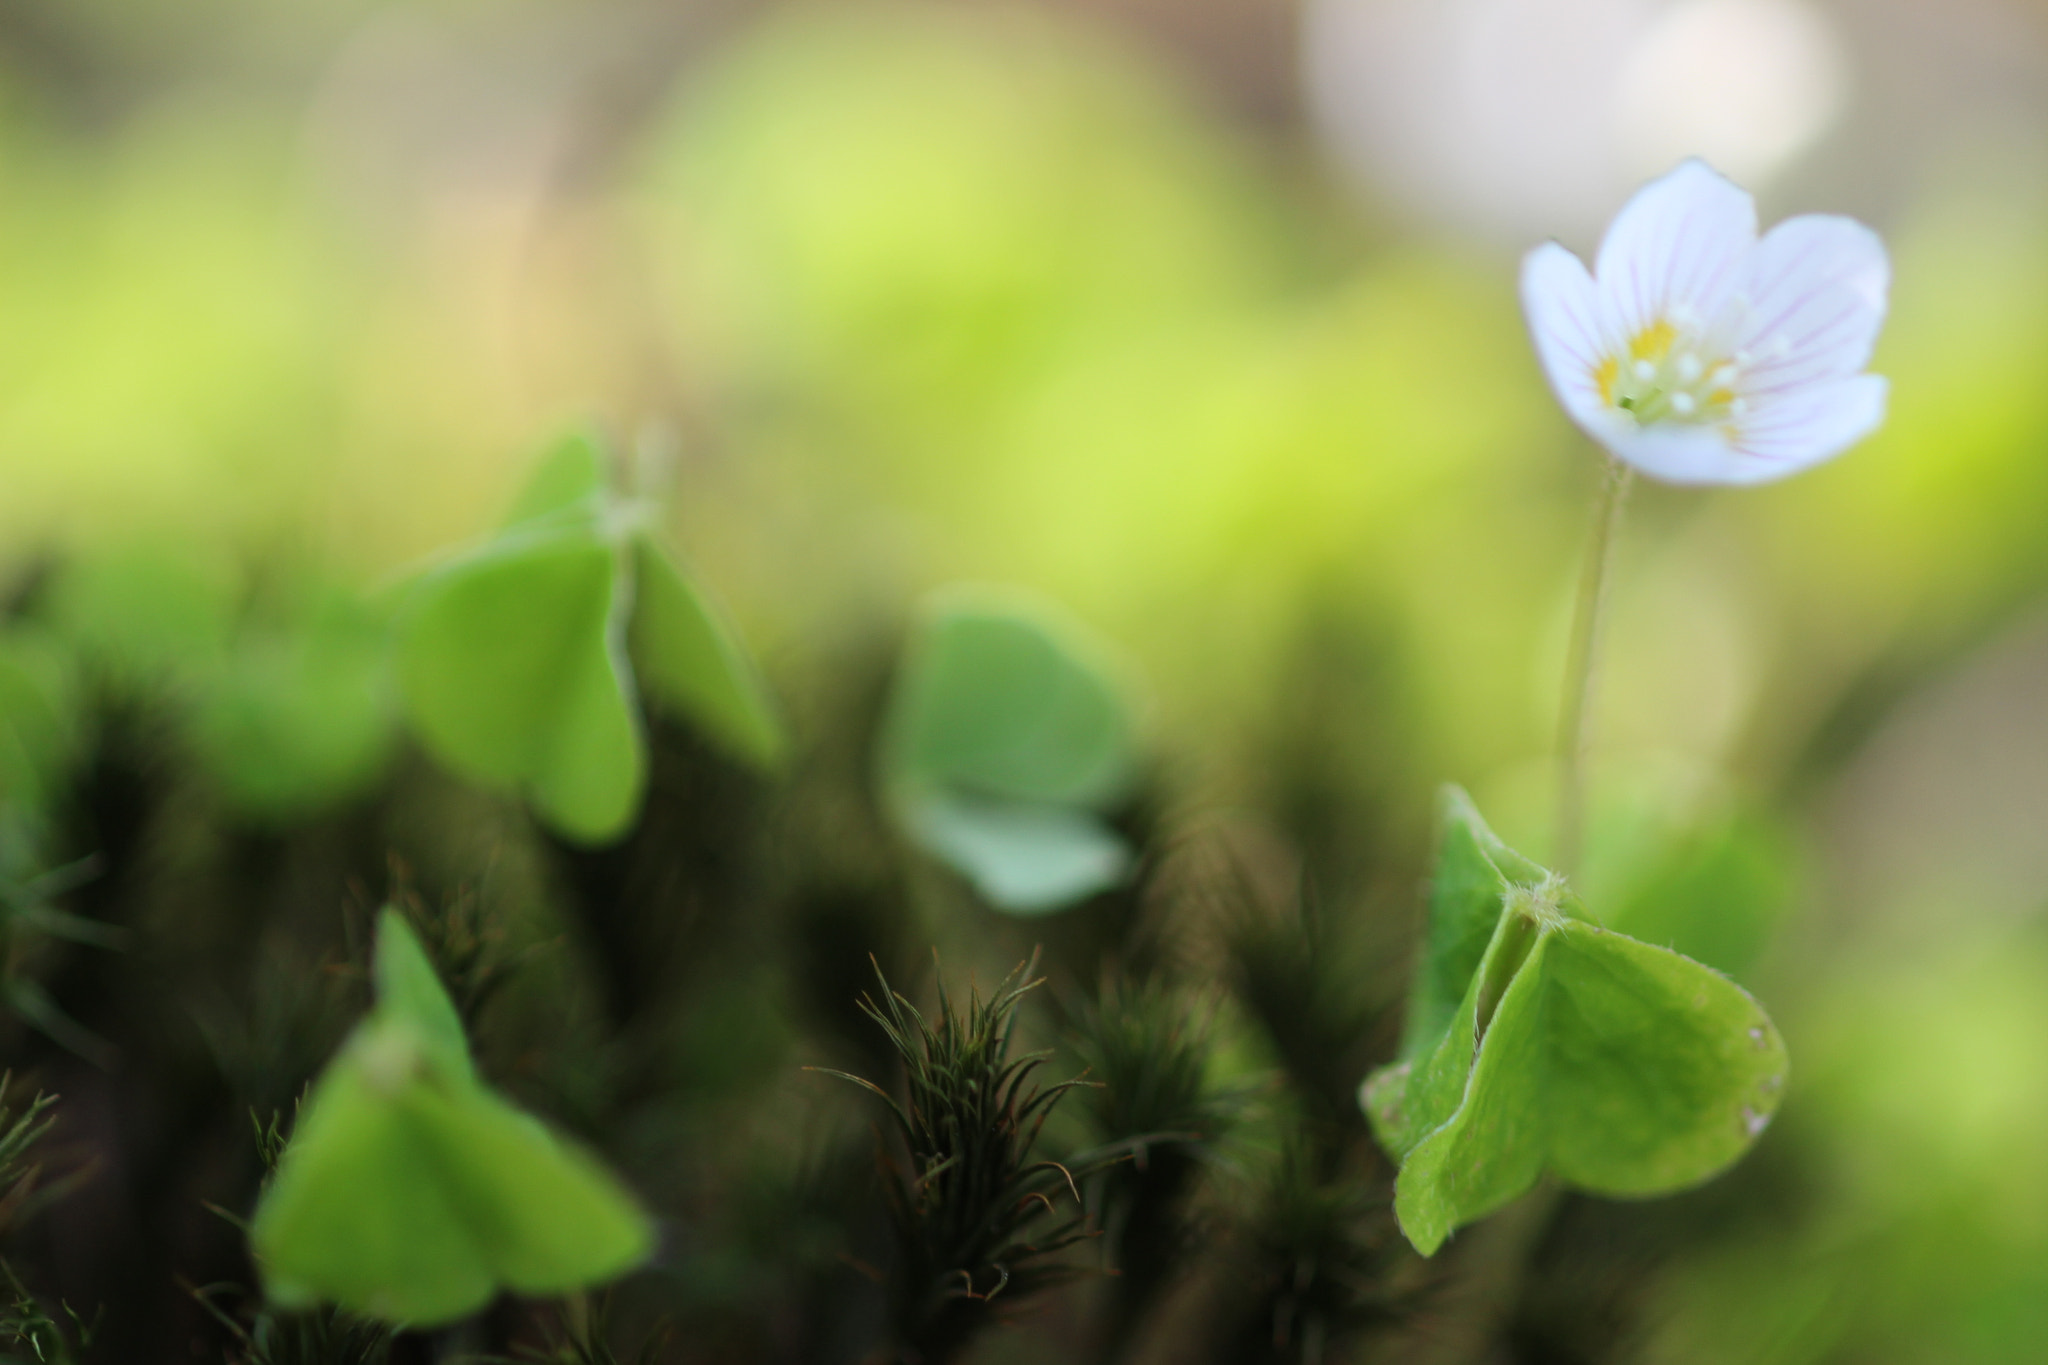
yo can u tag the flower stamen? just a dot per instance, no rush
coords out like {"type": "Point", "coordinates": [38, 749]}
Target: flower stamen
{"type": "Point", "coordinates": [1667, 373]}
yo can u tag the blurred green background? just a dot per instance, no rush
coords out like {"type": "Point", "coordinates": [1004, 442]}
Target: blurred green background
{"type": "Point", "coordinates": [1198, 318]}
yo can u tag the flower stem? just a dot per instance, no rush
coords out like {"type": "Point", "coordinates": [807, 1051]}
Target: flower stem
{"type": "Point", "coordinates": [1581, 667]}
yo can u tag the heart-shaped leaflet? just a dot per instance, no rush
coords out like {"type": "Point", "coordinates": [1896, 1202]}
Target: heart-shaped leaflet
{"type": "Point", "coordinates": [524, 661]}
{"type": "Point", "coordinates": [413, 1193]}
{"type": "Point", "coordinates": [1539, 1042]}
{"type": "Point", "coordinates": [1008, 735]}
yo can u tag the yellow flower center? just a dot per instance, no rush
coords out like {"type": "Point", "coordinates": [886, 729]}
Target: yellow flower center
{"type": "Point", "coordinates": [1665, 374]}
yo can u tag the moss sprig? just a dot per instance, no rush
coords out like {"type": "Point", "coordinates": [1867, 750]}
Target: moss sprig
{"type": "Point", "coordinates": [978, 1222]}
{"type": "Point", "coordinates": [1150, 1046]}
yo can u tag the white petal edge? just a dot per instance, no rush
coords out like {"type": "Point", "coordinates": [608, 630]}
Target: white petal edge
{"type": "Point", "coordinates": [1563, 311]}
{"type": "Point", "coordinates": [1803, 429]}
{"type": "Point", "coordinates": [1682, 241]}
{"type": "Point", "coordinates": [1819, 286]}
{"type": "Point", "coordinates": [1670, 452]}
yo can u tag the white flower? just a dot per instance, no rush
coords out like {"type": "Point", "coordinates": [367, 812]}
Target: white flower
{"type": "Point", "coordinates": [1698, 353]}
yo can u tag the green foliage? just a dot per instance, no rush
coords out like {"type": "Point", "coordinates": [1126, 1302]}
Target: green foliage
{"type": "Point", "coordinates": [322, 1337]}
{"type": "Point", "coordinates": [1715, 896]}
{"type": "Point", "coordinates": [692, 662]}
{"type": "Point", "coordinates": [513, 678]}
{"type": "Point", "coordinates": [146, 613]}
{"type": "Point", "coordinates": [584, 1339]}
{"type": "Point", "coordinates": [976, 1219]}
{"type": "Point", "coordinates": [280, 698]}
{"type": "Point", "coordinates": [1007, 738]}
{"type": "Point", "coordinates": [19, 1176]}
{"type": "Point", "coordinates": [940, 291]}
{"type": "Point", "coordinates": [1617, 1067]}
{"type": "Point", "coordinates": [917, 274]}
{"type": "Point", "coordinates": [35, 1336]}
{"type": "Point", "coordinates": [29, 1330]}
{"type": "Point", "coordinates": [263, 1335]}
{"type": "Point", "coordinates": [412, 1193]}
{"type": "Point", "coordinates": [296, 717]}
{"type": "Point", "coordinates": [1148, 1047]}
{"type": "Point", "coordinates": [38, 723]}
{"type": "Point", "coordinates": [31, 919]}
{"type": "Point", "coordinates": [1322, 1255]}
{"type": "Point", "coordinates": [517, 659]}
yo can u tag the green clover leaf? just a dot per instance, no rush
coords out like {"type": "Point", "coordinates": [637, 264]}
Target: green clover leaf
{"type": "Point", "coordinates": [524, 662]}
{"type": "Point", "coordinates": [412, 1192]}
{"type": "Point", "coordinates": [295, 715]}
{"type": "Point", "coordinates": [1538, 1042]}
{"type": "Point", "coordinates": [1007, 737]}
{"type": "Point", "coordinates": [691, 661]}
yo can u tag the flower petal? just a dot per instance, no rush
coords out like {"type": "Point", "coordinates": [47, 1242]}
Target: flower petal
{"type": "Point", "coordinates": [1680, 244]}
{"type": "Point", "coordinates": [1563, 310]}
{"type": "Point", "coordinates": [1671, 451]}
{"type": "Point", "coordinates": [1818, 287]}
{"type": "Point", "coordinates": [1800, 429]}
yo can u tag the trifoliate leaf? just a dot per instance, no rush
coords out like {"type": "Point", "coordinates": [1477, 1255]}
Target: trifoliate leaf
{"type": "Point", "coordinates": [1617, 1067]}
{"type": "Point", "coordinates": [411, 1192]}
{"type": "Point", "coordinates": [510, 665]}
{"type": "Point", "coordinates": [1007, 737]}
{"type": "Point", "coordinates": [689, 659]}
{"type": "Point", "coordinates": [514, 664]}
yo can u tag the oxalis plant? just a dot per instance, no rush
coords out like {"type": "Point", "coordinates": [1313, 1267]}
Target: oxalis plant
{"type": "Point", "coordinates": [1539, 1043]}
{"type": "Point", "coordinates": [412, 1192]}
{"type": "Point", "coordinates": [1542, 1050]}
{"type": "Point", "coordinates": [1008, 740]}
{"type": "Point", "coordinates": [1540, 1046]}
{"type": "Point", "coordinates": [526, 660]}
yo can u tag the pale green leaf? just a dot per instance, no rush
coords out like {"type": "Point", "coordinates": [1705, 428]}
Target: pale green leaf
{"type": "Point", "coordinates": [297, 719]}
{"type": "Point", "coordinates": [1464, 909]}
{"type": "Point", "coordinates": [146, 613]}
{"type": "Point", "coordinates": [1489, 1147]}
{"type": "Point", "coordinates": [415, 1198]}
{"type": "Point", "coordinates": [362, 1213]}
{"type": "Point", "coordinates": [410, 990]}
{"type": "Point", "coordinates": [1617, 1067]}
{"type": "Point", "coordinates": [412, 1193]}
{"type": "Point", "coordinates": [510, 665]}
{"type": "Point", "coordinates": [689, 659]}
{"type": "Point", "coordinates": [547, 1217]}
{"type": "Point", "coordinates": [1007, 737]}
{"type": "Point", "coordinates": [1002, 698]}
{"type": "Point", "coordinates": [1028, 859]}
{"type": "Point", "coordinates": [1662, 1071]}
{"type": "Point", "coordinates": [591, 775]}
